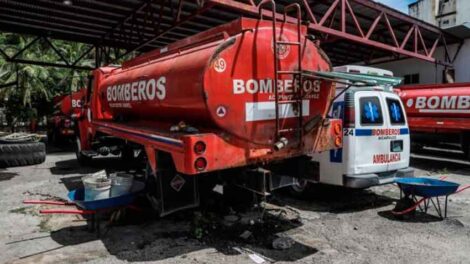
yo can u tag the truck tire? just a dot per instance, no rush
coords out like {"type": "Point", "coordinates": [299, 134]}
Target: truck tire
{"type": "Point", "coordinates": [300, 188]}
{"type": "Point", "coordinates": [82, 159]}
{"type": "Point", "coordinates": [22, 154]}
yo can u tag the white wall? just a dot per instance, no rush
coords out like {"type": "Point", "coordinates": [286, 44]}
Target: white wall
{"type": "Point", "coordinates": [463, 11]}
{"type": "Point", "coordinates": [427, 70]}
{"type": "Point", "coordinates": [424, 10]}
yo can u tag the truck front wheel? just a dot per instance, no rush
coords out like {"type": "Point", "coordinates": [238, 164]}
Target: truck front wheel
{"type": "Point", "coordinates": [82, 159]}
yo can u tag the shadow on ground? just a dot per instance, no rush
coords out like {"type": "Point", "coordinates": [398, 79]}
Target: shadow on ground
{"type": "Point", "coordinates": [6, 176]}
{"type": "Point", "coordinates": [334, 199]}
{"type": "Point", "coordinates": [417, 217]}
{"type": "Point", "coordinates": [141, 237]}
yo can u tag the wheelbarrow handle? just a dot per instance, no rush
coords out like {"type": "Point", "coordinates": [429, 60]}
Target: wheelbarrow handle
{"type": "Point", "coordinates": [47, 202]}
{"type": "Point", "coordinates": [62, 211]}
{"type": "Point", "coordinates": [409, 209]}
{"type": "Point", "coordinates": [462, 189]}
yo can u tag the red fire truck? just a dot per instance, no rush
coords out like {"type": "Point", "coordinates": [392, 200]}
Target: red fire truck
{"type": "Point", "coordinates": [61, 125]}
{"type": "Point", "coordinates": [231, 103]}
{"type": "Point", "coordinates": [438, 113]}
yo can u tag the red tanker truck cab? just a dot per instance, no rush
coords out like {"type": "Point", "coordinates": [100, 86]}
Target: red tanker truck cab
{"type": "Point", "coordinates": [61, 124]}
{"type": "Point", "coordinates": [438, 114]}
{"type": "Point", "coordinates": [212, 104]}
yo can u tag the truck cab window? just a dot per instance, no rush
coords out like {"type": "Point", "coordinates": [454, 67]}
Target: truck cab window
{"type": "Point", "coordinates": [371, 111]}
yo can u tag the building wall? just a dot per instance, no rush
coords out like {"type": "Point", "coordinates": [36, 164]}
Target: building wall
{"type": "Point", "coordinates": [430, 73]}
{"type": "Point", "coordinates": [463, 11]}
{"type": "Point", "coordinates": [442, 13]}
{"type": "Point", "coordinates": [452, 12]}
{"type": "Point", "coordinates": [424, 10]}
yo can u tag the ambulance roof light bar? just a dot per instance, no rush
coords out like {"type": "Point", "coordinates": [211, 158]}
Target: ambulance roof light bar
{"type": "Point", "coordinates": [354, 80]}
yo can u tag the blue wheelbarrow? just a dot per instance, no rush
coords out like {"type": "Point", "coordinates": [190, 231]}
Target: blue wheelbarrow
{"type": "Point", "coordinates": [94, 208]}
{"type": "Point", "coordinates": [421, 192]}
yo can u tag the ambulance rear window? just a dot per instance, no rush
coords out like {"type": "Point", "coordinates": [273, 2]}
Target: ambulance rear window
{"type": "Point", "coordinates": [395, 112]}
{"type": "Point", "coordinates": [371, 111]}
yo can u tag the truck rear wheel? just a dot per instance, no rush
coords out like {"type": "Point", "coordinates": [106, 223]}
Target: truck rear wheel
{"type": "Point", "coordinates": [81, 158]}
{"type": "Point", "coordinates": [22, 154]}
{"type": "Point", "coordinates": [299, 188]}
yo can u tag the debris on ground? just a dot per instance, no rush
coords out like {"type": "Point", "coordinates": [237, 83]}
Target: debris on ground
{"type": "Point", "coordinates": [256, 258]}
{"type": "Point", "coordinates": [283, 243]}
{"type": "Point", "coordinates": [246, 234]}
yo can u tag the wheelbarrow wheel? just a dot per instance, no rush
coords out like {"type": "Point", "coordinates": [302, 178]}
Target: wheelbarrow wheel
{"type": "Point", "coordinates": [402, 205]}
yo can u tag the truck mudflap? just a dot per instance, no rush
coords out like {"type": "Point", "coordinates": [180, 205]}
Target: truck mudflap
{"type": "Point", "coordinates": [174, 192]}
{"type": "Point", "coordinates": [360, 181]}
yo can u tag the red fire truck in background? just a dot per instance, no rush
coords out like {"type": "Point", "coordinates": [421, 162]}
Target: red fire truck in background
{"type": "Point", "coordinates": [61, 126]}
{"type": "Point", "coordinates": [233, 104]}
{"type": "Point", "coordinates": [438, 113]}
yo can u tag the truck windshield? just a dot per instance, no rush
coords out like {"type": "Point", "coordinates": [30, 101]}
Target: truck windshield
{"type": "Point", "coordinates": [395, 112]}
{"type": "Point", "coordinates": [371, 111]}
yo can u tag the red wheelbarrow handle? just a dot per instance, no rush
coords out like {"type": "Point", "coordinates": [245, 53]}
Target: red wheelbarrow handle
{"type": "Point", "coordinates": [47, 202]}
{"type": "Point", "coordinates": [409, 209]}
{"type": "Point", "coordinates": [462, 189]}
{"type": "Point", "coordinates": [62, 211]}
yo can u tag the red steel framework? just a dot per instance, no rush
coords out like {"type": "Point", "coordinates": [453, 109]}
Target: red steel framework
{"type": "Point", "coordinates": [349, 30]}
{"type": "Point", "coordinates": [412, 44]}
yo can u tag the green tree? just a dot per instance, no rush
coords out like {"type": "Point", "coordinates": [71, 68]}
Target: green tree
{"type": "Point", "coordinates": [37, 85]}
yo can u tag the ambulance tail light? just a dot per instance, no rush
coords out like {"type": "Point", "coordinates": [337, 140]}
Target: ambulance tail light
{"type": "Point", "coordinates": [349, 117]}
{"type": "Point", "coordinates": [338, 141]}
{"type": "Point", "coordinates": [337, 129]}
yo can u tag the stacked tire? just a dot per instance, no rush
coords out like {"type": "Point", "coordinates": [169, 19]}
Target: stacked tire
{"type": "Point", "coordinates": [22, 154]}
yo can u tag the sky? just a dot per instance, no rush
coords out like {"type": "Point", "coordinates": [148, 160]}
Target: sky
{"type": "Point", "coordinates": [401, 5]}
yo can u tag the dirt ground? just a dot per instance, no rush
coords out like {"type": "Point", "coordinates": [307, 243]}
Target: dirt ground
{"type": "Point", "coordinates": [332, 225]}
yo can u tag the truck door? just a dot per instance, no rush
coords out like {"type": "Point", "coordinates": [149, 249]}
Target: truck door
{"type": "Point", "coordinates": [371, 152]}
{"type": "Point", "coordinates": [399, 139]}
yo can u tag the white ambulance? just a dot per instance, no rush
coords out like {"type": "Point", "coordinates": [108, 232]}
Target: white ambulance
{"type": "Point", "coordinates": [376, 142]}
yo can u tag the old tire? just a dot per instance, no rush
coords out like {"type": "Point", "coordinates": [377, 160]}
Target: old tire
{"type": "Point", "coordinates": [22, 154]}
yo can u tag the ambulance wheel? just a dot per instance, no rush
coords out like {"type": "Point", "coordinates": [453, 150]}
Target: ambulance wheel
{"type": "Point", "coordinates": [299, 188]}
{"type": "Point", "coordinates": [82, 159]}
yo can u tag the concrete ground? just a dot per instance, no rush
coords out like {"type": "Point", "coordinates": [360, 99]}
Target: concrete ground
{"type": "Point", "coordinates": [330, 226]}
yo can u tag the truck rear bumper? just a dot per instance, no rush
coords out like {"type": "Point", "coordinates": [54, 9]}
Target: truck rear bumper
{"type": "Point", "coordinates": [360, 181]}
